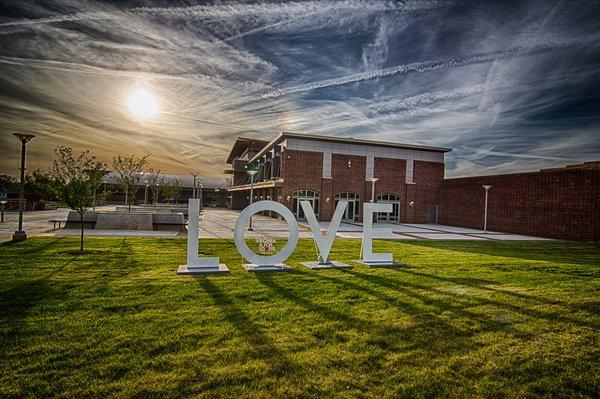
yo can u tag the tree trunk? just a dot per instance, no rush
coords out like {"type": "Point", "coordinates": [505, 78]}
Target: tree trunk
{"type": "Point", "coordinates": [127, 199]}
{"type": "Point", "coordinates": [81, 238]}
{"type": "Point", "coordinates": [94, 204]}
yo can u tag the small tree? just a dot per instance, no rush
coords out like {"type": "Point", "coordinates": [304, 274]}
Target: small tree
{"type": "Point", "coordinates": [129, 174]}
{"type": "Point", "coordinates": [156, 181]}
{"type": "Point", "coordinates": [171, 190]}
{"type": "Point", "coordinates": [73, 182]}
{"type": "Point", "coordinates": [96, 173]}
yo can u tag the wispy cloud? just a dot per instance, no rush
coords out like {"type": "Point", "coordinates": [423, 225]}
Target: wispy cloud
{"type": "Point", "coordinates": [509, 87]}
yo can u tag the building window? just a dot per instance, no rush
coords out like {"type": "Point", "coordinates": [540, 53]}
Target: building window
{"type": "Point", "coordinates": [394, 216]}
{"type": "Point", "coordinates": [305, 195]}
{"type": "Point", "coordinates": [353, 209]}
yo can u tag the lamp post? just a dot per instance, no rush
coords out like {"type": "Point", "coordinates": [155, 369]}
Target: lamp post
{"type": "Point", "coordinates": [373, 180]}
{"type": "Point", "coordinates": [194, 186]}
{"type": "Point", "coordinates": [199, 192]}
{"type": "Point", "coordinates": [485, 207]}
{"type": "Point", "coordinates": [251, 173]}
{"type": "Point", "coordinates": [20, 234]}
{"type": "Point", "coordinates": [2, 211]}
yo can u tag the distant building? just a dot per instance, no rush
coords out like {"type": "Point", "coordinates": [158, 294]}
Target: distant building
{"type": "Point", "coordinates": [213, 189]}
{"type": "Point", "coordinates": [325, 170]}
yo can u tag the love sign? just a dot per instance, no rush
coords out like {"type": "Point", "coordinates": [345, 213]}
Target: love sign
{"type": "Point", "coordinates": [196, 264]}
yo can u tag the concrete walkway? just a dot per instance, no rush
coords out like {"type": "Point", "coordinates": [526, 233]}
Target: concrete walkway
{"type": "Point", "coordinates": [219, 223]}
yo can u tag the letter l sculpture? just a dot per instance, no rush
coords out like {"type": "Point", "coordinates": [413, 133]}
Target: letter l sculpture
{"type": "Point", "coordinates": [195, 264]}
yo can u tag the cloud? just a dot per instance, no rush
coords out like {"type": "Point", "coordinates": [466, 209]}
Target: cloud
{"type": "Point", "coordinates": [508, 87]}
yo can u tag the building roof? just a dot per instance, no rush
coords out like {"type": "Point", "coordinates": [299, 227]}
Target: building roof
{"type": "Point", "coordinates": [283, 135]}
{"type": "Point", "coordinates": [186, 180]}
{"type": "Point", "coordinates": [241, 144]}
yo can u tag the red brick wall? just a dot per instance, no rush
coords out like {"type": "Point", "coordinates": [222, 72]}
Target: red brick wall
{"type": "Point", "coordinates": [301, 170]}
{"type": "Point", "coordinates": [556, 204]}
{"type": "Point", "coordinates": [392, 180]}
{"type": "Point", "coordinates": [304, 170]}
{"type": "Point", "coordinates": [428, 177]}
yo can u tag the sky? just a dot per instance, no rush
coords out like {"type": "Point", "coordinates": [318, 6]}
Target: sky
{"type": "Point", "coordinates": [509, 86]}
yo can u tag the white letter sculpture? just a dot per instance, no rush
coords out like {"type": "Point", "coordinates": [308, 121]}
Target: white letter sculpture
{"type": "Point", "coordinates": [324, 243]}
{"type": "Point", "coordinates": [369, 232]}
{"type": "Point", "coordinates": [195, 264]}
{"type": "Point", "coordinates": [260, 263]}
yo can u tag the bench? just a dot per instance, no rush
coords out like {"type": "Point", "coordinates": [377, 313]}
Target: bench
{"type": "Point", "coordinates": [54, 221]}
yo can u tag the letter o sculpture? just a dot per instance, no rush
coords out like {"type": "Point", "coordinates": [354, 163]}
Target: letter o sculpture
{"type": "Point", "coordinates": [244, 218]}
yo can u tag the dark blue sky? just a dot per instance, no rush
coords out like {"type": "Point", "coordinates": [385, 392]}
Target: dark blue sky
{"type": "Point", "coordinates": [510, 86]}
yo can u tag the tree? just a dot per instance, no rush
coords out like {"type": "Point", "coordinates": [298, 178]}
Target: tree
{"type": "Point", "coordinates": [41, 185]}
{"type": "Point", "coordinates": [171, 190]}
{"type": "Point", "coordinates": [96, 171]}
{"type": "Point", "coordinates": [73, 181]}
{"type": "Point", "coordinates": [129, 174]}
{"type": "Point", "coordinates": [7, 183]}
{"type": "Point", "coordinates": [156, 181]}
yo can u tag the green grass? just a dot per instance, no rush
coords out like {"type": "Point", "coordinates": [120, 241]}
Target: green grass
{"type": "Point", "coordinates": [462, 319]}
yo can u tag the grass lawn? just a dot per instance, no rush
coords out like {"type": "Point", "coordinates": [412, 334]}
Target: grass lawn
{"type": "Point", "coordinates": [462, 319]}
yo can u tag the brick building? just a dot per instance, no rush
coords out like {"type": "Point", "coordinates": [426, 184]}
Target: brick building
{"type": "Point", "coordinates": [556, 203]}
{"type": "Point", "coordinates": [324, 170]}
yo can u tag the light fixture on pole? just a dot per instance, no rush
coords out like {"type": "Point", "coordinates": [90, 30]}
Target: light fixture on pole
{"type": "Point", "coordinates": [251, 173]}
{"type": "Point", "coordinates": [373, 180]}
{"type": "Point", "coordinates": [20, 234]}
{"type": "Point", "coordinates": [485, 208]}
{"type": "Point", "coordinates": [194, 186]}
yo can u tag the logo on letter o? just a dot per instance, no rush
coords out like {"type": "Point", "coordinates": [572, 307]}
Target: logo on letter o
{"type": "Point", "coordinates": [244, 218]}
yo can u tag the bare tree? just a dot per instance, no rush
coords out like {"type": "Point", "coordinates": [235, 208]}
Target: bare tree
{"type": "Point", "coordinates": [73, 181]}
{"type": "Point", "coordinates": [129, 171]}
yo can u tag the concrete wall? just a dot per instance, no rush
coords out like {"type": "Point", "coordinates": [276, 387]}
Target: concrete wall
{"type": "Point", "coordinates": [559, 203]}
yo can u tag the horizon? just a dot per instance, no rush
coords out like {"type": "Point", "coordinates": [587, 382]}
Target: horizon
{"type": "Point", "coordinates": [509, 87]}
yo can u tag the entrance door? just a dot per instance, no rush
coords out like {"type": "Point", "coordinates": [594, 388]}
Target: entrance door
{"type": "Point", "coordinates": [351, 213]}
{"type": "Point", "coordinates": [394, 216]}
{"type": "Point", "coordinates": [305, 195]}
{"type": "Point", "coordinates": [432, 213]}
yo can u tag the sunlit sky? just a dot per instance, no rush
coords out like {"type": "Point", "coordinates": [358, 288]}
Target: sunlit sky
{"type": "Point", "coordinates": [510, 86]}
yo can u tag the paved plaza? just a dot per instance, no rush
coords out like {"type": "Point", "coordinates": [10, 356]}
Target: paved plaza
{"type": "Point", "coordinates": [219, 223]}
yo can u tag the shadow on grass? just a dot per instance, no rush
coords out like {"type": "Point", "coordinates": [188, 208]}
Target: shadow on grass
{"type": "Point", "coordinates": [559, 252]}
{"type": "Point", "coordinates": [29, 248]}
{"type": "Point", "coordinates": [17, 302]}
{"type": "Point", "coordinates": [428, 333]}
{"type": "Point", "coordinates": [264, 348]}
{"type": "Point", "coordinates": [446, 304]}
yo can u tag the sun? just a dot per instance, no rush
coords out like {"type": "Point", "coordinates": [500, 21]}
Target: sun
{"type": "Point", "coordinates": [142, 104]}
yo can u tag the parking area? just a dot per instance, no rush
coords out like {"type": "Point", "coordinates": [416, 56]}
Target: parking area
{"type": "Point", "coordinates": [219, 223]}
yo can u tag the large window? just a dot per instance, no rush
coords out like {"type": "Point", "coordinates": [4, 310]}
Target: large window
{"type": "Point", "coordinates": [305, 195]}
{"type": "Point", "coordinates": [394, 216]}
{"type": "Point", "coordinates": [352, 210]}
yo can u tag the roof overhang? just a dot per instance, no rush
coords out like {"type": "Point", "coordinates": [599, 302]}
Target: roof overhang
{"type": "Point", "coordinates": [303, 136]}
{"type": "Point", "coordinates": [262, 184]}
{"type": "Point", "coordinates": [241, 143]}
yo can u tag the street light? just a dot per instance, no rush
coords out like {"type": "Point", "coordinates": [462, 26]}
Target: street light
{"type": "Point", "coordinates": [199, 192]}
{"type": "Point", "coordinates": [194, 186]}
{"type": "Point", "coordinates": [373, 180]}
{"type": "Point", "coordinates": [487, 188]}
{"type": "Point", "coordinates": [2, 211]}
{"type": "Point", "coordinates": [20, 234]}
{"type": "Point", "coordinates": [251, 173]}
